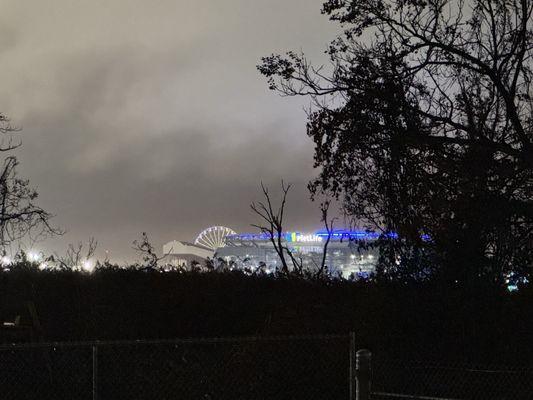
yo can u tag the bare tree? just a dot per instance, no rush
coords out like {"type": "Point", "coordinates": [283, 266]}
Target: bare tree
{"type": "Point", "coordinates": [273, 226]}
{"type": "Point", "coordinates": [149, 256]}
{"type": "Point", "coordinates": [329, 225]}
{"type": "Point", "coordinates": [20, 216]}
{"type": "Point", "coordinates": [76, 255]}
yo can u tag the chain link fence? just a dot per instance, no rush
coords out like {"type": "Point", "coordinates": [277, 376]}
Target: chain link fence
{"type": "Point", "coordinates": [411, 379]}
{"type": "Point", "coordinates": [313, 367]}
{"type": "Point", "coordinates": [250, 368]}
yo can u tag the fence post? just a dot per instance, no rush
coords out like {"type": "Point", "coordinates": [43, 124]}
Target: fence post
{"type": "Point", "coordinates": [352, 367]}
{"type": "Point", "coordinates": [363, 373]}
{"type": "Point", "coordinates": [95, 372]}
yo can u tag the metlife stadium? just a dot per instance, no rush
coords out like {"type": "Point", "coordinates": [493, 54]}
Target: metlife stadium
{"type": "Point", "coordinates": [348, 253]}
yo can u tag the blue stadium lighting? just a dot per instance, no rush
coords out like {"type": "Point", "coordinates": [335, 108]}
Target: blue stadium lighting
{"type": "Point", "coordinates": [295, 236]}
{"type": "Point", "coordinates": [249, 236]}
{"type": "Point", "coordinates": [321, 234]}
{"type": "Point", "coordinates": [361, 235]}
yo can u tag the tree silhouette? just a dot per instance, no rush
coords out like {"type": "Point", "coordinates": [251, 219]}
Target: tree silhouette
{"type": "Point", "coordinates": [272, 225]}
{"type": "Point", "coordinates": [145, 248]}
{"type": "Point", "coordinates": [20, 216]}
{"type": "Point", "coordinates": [423, 126]}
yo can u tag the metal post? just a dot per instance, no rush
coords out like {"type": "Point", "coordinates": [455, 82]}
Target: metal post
{"type": "Point", "coordinates": [352, 366]}
{"type": "Point", "coordinates": [363, 374]}
{"type": "Point", "coordinates": [95, 372]}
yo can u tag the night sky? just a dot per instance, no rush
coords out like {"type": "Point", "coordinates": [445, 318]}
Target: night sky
{"type": "Point", "coordinates": [151, 115]}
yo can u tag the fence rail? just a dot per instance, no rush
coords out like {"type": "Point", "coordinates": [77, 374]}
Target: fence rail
{"type": "Point", "coordinates": [399, 396]}
{"type": "Point", "coordinates": [230, 339]}
{"type": "Point", "coordinates": [423, 380]}
{"type": "Point", "coordinates": [248, 368]}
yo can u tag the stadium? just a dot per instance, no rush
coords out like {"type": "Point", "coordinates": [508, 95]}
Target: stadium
{"type": "Point", "coordinates": [350, 254]}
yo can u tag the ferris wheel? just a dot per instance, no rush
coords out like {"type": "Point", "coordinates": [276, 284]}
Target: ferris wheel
{"type": "Point", "coordinates": [213, 237]}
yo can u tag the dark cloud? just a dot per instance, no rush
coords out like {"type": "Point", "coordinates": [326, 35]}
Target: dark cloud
{"type": "Point", "coordinates": [153, 118]}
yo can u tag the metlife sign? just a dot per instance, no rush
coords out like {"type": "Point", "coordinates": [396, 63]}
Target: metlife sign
{"type": "Point", "coordinates": [302, 238]}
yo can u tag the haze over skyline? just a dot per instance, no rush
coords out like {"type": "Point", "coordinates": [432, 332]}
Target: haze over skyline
{"type": "Point", "coordinates": [155, 118]}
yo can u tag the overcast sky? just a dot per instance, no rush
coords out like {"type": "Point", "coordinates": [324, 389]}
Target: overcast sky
{"type": "Point", "coordinates": [151, 116]}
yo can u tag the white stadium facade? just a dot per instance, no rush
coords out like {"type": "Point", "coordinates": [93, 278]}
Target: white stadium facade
{"type": "Point", "coordinates": [184, 254]}
{"type": "Point", "coordinates": [348, 253]}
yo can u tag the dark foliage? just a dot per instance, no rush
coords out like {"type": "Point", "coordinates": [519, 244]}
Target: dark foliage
{"type": "Point", "coordinates": [433, 320]}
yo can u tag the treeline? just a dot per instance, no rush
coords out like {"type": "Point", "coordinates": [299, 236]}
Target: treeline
{"type": "Point", "coordinates": [483, 324]}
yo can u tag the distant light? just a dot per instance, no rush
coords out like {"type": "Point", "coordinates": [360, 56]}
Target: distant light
{"type": "Point", "coordinates": [352, 256]}
{"type": "Point", "coordinates": [370, 257]}
{"type": "Point", "coordinates": [43, 266]}
{"type": "Point", "coordinates": [34, 256]}
{"type": "Point", "coordinates": [87, 266]}
{"type": "Point", "coordinates": [5, 260]}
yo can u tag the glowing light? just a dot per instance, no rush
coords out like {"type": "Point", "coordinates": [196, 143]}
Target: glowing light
{"type": "Point", "coordinates": [34, 256]}
{"type": "Point", "coordinates": [87, 266]}
{"type": "Point", "coordinates": [5, 260]}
